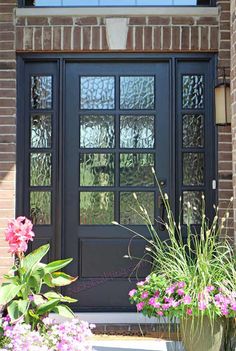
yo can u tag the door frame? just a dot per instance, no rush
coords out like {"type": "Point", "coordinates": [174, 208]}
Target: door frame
{"type": "Point", "coordinates": [60, 60]}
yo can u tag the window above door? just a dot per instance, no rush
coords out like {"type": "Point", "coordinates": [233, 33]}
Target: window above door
{"type": "Point", "coordinates": [116, 3]}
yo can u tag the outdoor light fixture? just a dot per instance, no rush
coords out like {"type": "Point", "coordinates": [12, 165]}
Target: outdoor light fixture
{"type": "Point", "coordinates": [222, 102]}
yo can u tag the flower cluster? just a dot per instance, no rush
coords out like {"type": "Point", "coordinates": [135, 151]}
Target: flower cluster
{"type": "Point", "coordinates": [18, 234]}
{"type": "Point", "coordinates": [71, 335]}
{"type": "Point", "coordinates": [155, 297]}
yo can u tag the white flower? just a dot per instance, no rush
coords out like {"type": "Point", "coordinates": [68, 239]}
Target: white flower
{"type": "Point", "coordinates": [135, 196]}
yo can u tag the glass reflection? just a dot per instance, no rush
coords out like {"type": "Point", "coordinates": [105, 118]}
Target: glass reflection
{"type": "Point", "coordinates": [137, 132]}
{"type": "Point", "coordinates": [135, 169]}
{"type": "Point", "coordinates": [41, 92]}
{"type": "Point", "coordinates": [96, 169]}
{"type": "Point", "coordinates": [96, 208]}
{"type": "Point", "coordinates": [129, 209]}
{"type": "Point", "coordinates": [40, 207]}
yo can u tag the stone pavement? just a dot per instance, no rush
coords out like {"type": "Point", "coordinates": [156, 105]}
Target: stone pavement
{"type": "Point", "coordinates": [119, 343]}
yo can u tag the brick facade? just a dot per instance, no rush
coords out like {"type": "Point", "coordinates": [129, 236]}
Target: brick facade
{"type": "Point", "coordinates": [50, 33]}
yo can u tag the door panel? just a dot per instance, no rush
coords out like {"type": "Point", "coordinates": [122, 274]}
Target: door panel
{"type": "Point", "coordinates": [117, 122]}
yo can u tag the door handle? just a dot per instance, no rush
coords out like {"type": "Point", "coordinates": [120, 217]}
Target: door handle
{"type": "Point", "coordinates": [161, 206]}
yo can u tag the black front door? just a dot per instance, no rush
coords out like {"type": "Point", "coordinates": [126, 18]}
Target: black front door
{"type": "Point", "coordinates": [117, 127]}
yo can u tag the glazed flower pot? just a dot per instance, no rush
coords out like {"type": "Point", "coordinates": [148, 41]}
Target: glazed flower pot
{"type": "Point", "coordinates": [200, 333]}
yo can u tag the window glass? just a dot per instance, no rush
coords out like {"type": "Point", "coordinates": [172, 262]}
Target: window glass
{"type": "Point", "coordinates": [116, 2]}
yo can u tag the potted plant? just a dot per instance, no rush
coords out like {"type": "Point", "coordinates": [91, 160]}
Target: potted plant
{"type": "Point", "coordinates": [193, 278]}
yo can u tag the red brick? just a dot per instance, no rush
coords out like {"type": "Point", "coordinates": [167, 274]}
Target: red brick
{"type": "Point", "coordinates": [148, 38]}
{"type": "Point", "coordinates": [7, 8]}
{"type": "Point", "coordinates": [20, 21]}
{"type": "Point", "coordinates": [137, 21]}
{"type": "Point", "coordinates": [67, 38]}
{"type": "Point", "coordinates": [8, 18]}
{"type": "Point", "coordinates": [86, 21]}
{"type": "Point", "coordinates": [28, 38]}
{"type": "Point", "coordinates": [207, 21]}
{"type": "Point", "coordinates": [7, 55]}
{"type": "Point", "coordinates": [139, 38]}
{"type": "Point", "coordinates": [38, 39]}
{"type": "Point", "coordinates": [56, 38]}
{"type": "Point", "coordinates": [7, 120]}
{"type": "Point", "coordinates": [166, 38]}
{"type": "Point", "coordinates": [175, 38]}
{"type": "Point", "coordinates": [6, 36]}
{"type": "Point", "coordinates": [130, 39]}
{"type": "Point", "coordinates": [214, 33]}
{"type": "Point", "coordinates": [104, 39]}
{"type": "Point", "coordinates": [37, 21]}
{"type": "Point", "coordinates": [77, 38]}
{"type": "Point", "coordinates": [204, 38]}
{"type": "Point", "coordinates": [185, 38]}
{"type": "Point", "coordinates": [61, 20]}
{"type": "Point", "coordinates": [7, 45]}
{"type": "Point", "coordinates": [95, 38]}
{"type": "Point", "coordinates": [194, 38]}
{"type": "Point", "coordinates": [7, 102]}
{"type": "Point", "coordinates": [47, 38]}
{"type": "Point", "coordinates": [185, 20]}
{"type": "Point", "coordinates": [87, 38]}
{"type": "Point", "coordinates": [157, 38]}
{"type": "Point", "coordinates": [20, 38]}
{"type": "Point", "coordinates": [158, 20]}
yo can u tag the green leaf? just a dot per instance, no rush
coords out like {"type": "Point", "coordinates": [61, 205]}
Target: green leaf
{"type": "Point", "coordinates": [48, 280]}
{"type": "Point", "coordinates": [47, 306]}
{"type": "Point", "coordinates": [17, 309]}
{"type": "Point", "coordinates": [38, 300]}
{"type": "Point", "coordinates": [8, 292]}
{"type": "Point", "coordinates": [35, 282]}
{"type": "Point", "coordinates": [64, 311]}
{"type": "Point", "coordinates": [56, 265]}
{"type": "Point", "coordinates": [62, 279]}
{"type": "Point", "coordinates": [53, 295]}
{"type": "Point", "coordinates": [32, 259]}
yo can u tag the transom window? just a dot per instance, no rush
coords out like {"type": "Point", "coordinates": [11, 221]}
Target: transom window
{"type": "Point", "coordinates": [90, 3]}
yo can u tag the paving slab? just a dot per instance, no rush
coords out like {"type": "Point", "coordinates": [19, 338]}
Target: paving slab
{"type": "Point", "coordinates": [134, 344]}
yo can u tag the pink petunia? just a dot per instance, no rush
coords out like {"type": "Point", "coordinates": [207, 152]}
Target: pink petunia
{"type": "Point", "coordinates": [181, 285]}
{"type": "Point", "coordinates": [202, 305]}
{"type": "Point", "coordinates": [144, 295]}
{"type": "Point", "coordinates": [180, 292]}
{"type": "Point", "coordinates": [132, 292]}
{"type": "Point", "coordinates": [187, 299]}
{"type": "Point", "coordinates": [189, 311]}
{"type": "Point", "coordinates": [160, 313]}
{"type": "Point", "coordinates": [140, 306]}
{"type": "Point", "coordinates": [141, 283]}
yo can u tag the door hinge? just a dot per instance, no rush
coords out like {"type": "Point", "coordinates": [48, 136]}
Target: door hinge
{"type": "Point", "coordinates": [214, 184]}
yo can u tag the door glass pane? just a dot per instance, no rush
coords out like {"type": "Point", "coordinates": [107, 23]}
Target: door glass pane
{"type": "Point", "coordinates": [193, 168]}
{"type": "Point", "coordinates": [193, 92]}
{"type": "Point", "coordinates": [97, 131]}
{"type": "Point", "coordinates": [96, 207]}
{"type": "Point", "coordinates": [130, 212]}
{"type": "Point", "coordinates": [137, 92]}
{"type": "Point", "coordinates": [41, 92]}
{"type": "Point", "coordinates": [96, 169]}
{"type": "Point", "coordinates": [192, 214]}
{"type": "Point", "coordinates": [41, 131]}
{"type": "Point", "coordinates": [97, 93]}
{"type": "Point", "coordinates": [135, 169]}
{"type": "Point", "coordinates": [193, 131]}
{"type": "Point", "coordinates": [40, 207]}
{"type": "Point", "coordinates": [137, 132]}
{"type": "Point", "coordinates": [40, 169]}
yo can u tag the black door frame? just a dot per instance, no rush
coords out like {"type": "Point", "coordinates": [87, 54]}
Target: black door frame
{"type": "Point", "coordinates": [60, 60]}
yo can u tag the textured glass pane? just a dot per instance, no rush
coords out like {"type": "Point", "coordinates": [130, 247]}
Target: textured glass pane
{"type": "Point", "coordinates": [137, 132]}
{"type": "Point", "coordinates": [97, 131]}
{"type": "Point", "coordinates": [130, 211]}
{"type": "Point", "coordinates": [96, 207]}
{"type": "Point", "coordinates": [193, 131]}
{"type": "Point", "coordinates": [193, 169]}
{"type": "Point", "coordinates": [40, 207]}
{"type": "Point", "coordinates": [41, 92]}
{"type": "Point", "coordinates": [137, 93]}
{"type": "Point", "coordinates": [97, 93]}
{"type": "Point", "coordinates": [193, 92]}
{"type": "Point", "coordinates": [96, 169]}
{"type": "Point", "coordinates": [135, 169]}
{"type": "Point", "coordinates": [192, 214]}
{"type": "Point", "coordinates": [41, 131]}
{"type": "Point", "coordinates": [40, 169]}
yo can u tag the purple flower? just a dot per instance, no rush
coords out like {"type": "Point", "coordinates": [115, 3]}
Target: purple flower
{"type": "Point", "coordinates": [233, 306]}
{"type": "Point", "coordinates": [202, 305]}
{"type": "Point", "coordinates": [210, 288]}
{"type": "Point", "coordinates": [154, 302]}
{"type": "Point", "coordinates": [141, 283]}
{"type": "Point", "coordinates": [144, 295]}
{"type": "Point", "coordinates": [187, 299]}
{"type": "Point", "coordinates": [181, 285]}
{"type": "Point", "coordinates": [157, 293]}
{"type": "Point", "coordinates": [171, 289]}
{"type": "Point", "coordinates": [140, 306]}
{"type": "Point", "coordinates": [132, 292]}
{"type": "Point", "coordinates": [180, 292]}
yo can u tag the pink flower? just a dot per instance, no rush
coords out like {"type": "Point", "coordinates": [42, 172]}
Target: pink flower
{"type": "Point", "coordinates": [18, 234]}
{"type": "Point", "coordinates": [180, 292]}
{"type": "Point", "coordinates": [157, 293]}
{"type": "Point", "coordinates": [202, 305]}
{"type": "Point", "coordinates": [210, 288]}
{"type": "Point", "coordinates": [189, 311]}
{"type": "Point", "coordinates": [181, 285]}
{"type": "Point", "coordinates": [144, 295]}
{"type": "Point", "coordinates": [171, 289]}
{"type": "Point", "coordinates": [154, 302]}
{"type": "Point", "coordinates": [147, 279]}
{"type": "Point", "coordinates": [141, 283]}
{"type": "Point", "coordinates": [224, 310]}
{"type": "Point", "coordinates": [160, 313]}
{"type": "Point", "coordinates": [233, 306]}
{"type": "Point", "coordinates": [140, 306]}
{"type": "Point", "coordinates": [132, 292]}
{"type": "Point", "coordinates": [187, 299]}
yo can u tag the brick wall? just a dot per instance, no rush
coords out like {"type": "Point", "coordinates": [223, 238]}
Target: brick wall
{"type": "Point", "coordinates": [233, 97]}
{"type": "Point", "coordinates": [7, 123]}
{"type": "Point", "coordinates": [159, 33]}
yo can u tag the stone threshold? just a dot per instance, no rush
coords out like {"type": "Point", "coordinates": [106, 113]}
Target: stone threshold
{"type": "Point", "coordinates": [118, 11]}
